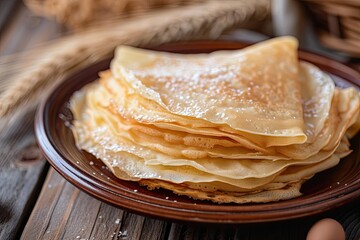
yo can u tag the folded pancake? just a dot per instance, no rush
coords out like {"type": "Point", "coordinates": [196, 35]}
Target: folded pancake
{"type": "Point", "coordinates": [335, 126]}
{"type": "Point", "coordinates": [317, 91]}
{"type": "Point", "coordinates": [122, 162]}
{"type": "Point", "coordinates": [177, 142]}
{"type": "Point", "coordinates": [130, 106]}
{"type": "Point", "coordinates": [255, 90]}
{"type": "Point", "coordinates": [227, 127]}
{"type": "Point", "coordinates": [119, 157]}
{"type": "Point", "coordinates": [101, 125]}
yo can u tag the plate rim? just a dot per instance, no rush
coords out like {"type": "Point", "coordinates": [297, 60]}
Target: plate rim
{"type": "Point", "coordinates": [76, 175]}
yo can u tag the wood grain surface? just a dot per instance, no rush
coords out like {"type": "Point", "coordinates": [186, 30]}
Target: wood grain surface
{"type": "Point", "coordinates": [37, 203]}
{"type": "Point", "coordinates": [64, 212]}
{"type": "Point", "coordinates": [22, 167]}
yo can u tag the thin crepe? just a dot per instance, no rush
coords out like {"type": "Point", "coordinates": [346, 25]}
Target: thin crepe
{"type": "Point", "coordinates": [242, 89]}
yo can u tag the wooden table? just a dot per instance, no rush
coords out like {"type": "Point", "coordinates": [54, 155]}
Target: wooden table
{"type": "Point", "coordinates": [37, 203]}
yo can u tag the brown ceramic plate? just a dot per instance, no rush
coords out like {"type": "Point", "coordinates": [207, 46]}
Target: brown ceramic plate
{"type": "Point", "coordinates": [325, 191]}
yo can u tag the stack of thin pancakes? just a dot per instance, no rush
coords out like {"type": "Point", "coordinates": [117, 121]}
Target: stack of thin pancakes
{"type": "Point", "coordinates": [232, 126]}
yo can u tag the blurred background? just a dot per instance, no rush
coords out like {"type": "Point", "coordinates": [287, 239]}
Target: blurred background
{"type": "Point", "coordinates": [322, 25]}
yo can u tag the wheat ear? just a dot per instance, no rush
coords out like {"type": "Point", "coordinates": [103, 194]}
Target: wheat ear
{"type": "Point", "coordinates": [46, 65]}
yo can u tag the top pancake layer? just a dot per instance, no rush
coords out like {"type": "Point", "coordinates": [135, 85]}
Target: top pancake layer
{"type": "Point", "coordinates": [255, 90]}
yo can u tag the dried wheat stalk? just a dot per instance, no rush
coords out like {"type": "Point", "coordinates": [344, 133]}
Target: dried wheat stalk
{"type": "Point", "coordinates": [56, 60]}
{"type": "Point", "coordinates": [80, 13]}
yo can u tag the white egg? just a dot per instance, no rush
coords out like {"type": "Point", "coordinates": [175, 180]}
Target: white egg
{"type": "Point", "coordinates": [326, 229]}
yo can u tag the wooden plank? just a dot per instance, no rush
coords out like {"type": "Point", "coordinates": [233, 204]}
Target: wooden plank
{"type": "Point", "coordinates": [175, 231]}
{"type": "Point", "coordinates": [21, 174]}
{"type": "Point", "coordinates": [131, 226]}
{"type": "Point", "coordinates": [64, 212]}
{"type": "Point", "coordinates": [19, 185]}
{"type": "Point", "coordinates": [22, 167]}
{"type": "Point", "coordinates": [155, 229]}
{"type": "Point", "coordinates": [106, 215]}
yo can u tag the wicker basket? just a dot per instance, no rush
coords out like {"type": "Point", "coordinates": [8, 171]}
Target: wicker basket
{"type": "Point", "coordinates": [338, 24]}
